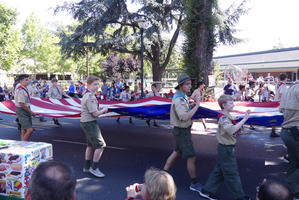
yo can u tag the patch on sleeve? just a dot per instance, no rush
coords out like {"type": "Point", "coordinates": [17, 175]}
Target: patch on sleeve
{"type": "Point", "coordinates": [182, 102]}
{"type": "Point", "coordinates": [92, 99]}
{"type": "Point", "coordinates": [224, 120]}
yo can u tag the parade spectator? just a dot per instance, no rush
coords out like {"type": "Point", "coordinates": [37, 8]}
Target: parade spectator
{"type": "Point", "coordinates": [35, 91]}
{"type": "Point", "coordinates": [72, 89]}
{"type": "Point", "coordinates": [170, 94]}
{"type": "Point", "coordinates": [230, 88]}
{"type": "Point", "coordinates": [158, 185]}
{"type": "Point", "coordinates": [226, 169]}
{"type": "Point", "coordinates": [104, 90]}
{"type": "Point", "coordinates": [240, 94]}
{"type": "Point", "coordinates": [113, 91]}
{"type": "Point", "coordinates": [2, 94]}
{"type": "Point", "coordinates": [265, 94]}
{"type": "Point", "coordinates": [210, 99]}
{"type": "Point", "coordinates": [81, 89]}
{"type": "Point", "coordinates": [272, 190]}
{"type": "Point", "coordinates": [153, 93]}
{"type": "Point", "coordinates": [120, 85]}
{"type": "Point", "coordinates": [125, 96]}
{"type": "Point", "coordinates": [45, 87]}
{"type": "Point", "coordinates": [52, 180]}
{"type": "Point", "coordinates": [251, 92]}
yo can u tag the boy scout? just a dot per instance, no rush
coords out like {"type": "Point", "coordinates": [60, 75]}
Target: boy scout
{"type": "Point", "coordinates": [56, 92]}
{"type": "Point", "coordinates": [289, 106]}
{"type": "Point", "coordinates": [89, 114]}
{"type": "Point", "coordinates": [180, 118]}
{"type": "Point", "coordinates": [226, 168]}
{"type": "Point", "coordinates": [153, 93]}
{"type": "Point", "coordinates": [125, 96]}
{"type": "Point", "coordinates": [23, 111]}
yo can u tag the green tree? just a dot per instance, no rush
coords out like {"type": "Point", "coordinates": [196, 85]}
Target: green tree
{"type": "Point", "coordinates": [10, 43]}
{"type": "Point", "coordinates": [96, 16]}
{"type": "Point", "coordinates": [206, 25]}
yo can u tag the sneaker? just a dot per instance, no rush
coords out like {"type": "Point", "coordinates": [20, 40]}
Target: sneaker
{"type": "Point", "coordinates": [195, 187]}
{"type": "Point", "coordinates": [286, 158]}
{"type": "Point", "coordinates": [96, 172]}
{"type": "Point", "coordinates": [156, 125]}
{"type": "Point", "coordinates": [148, 122]}
{"type": "Point", "coordinates": [86, 170]}
{"type": "Point", "coordinates": [207, 195]}
{"type": "Point", "coordinates": [274, 135]}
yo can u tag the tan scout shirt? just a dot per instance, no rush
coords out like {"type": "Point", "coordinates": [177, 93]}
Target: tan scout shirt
{"type": "Point", "coordinates": [34, 92]}
{"type": "Point", "coordinates": [125, 96]}
{"type": "Point", "coordinates": [179, 108]}
{"type": "Point", "coordinates": [280, 89]}
{"type": "Point", "coordinates": [225, 134]}
{"type": "Point", "coordinates": [21, 96]}
{"type": "Point", "coordinates": [89, 104]}
{"type": "Point", "coordinates": [55, 92]}
{"type": "Point", "coordinates": [152, 94]}
{"type": "Point", "coordinates": [289, 106]}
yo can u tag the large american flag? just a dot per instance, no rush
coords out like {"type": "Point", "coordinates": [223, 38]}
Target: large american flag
{"type": "Point", "coordinates": [263, 114]}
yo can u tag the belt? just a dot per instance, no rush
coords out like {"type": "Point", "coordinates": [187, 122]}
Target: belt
{"type": "Point", "coordinates": [182, 128]}
{"type": "Point", "coordinates": [232, 145]}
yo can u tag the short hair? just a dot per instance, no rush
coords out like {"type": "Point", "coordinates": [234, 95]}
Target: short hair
{"type": "Point", "coordinates": [272, 190]}
{"type": "Point", "coordinates": [52, 180]}
{"type": "Point", "coordinates": [126, 87]}
{"type": "Point", "coordinates": [282, 77]}
{"type": "Point", "coordinates": [154, 85]}
{"type": "Point", "coordinates": [224, 99]}
{"type": "Point", "coordinates": [251, 83]}
{"type": "Point", "coordinates": [200, 83]}
{"type": "Point", "coordinates": [54, 80]}
{"type": "Point", "coordinates": [91, 79]}
{"type": "Point", "coordinates": [241, 87]}
{"type": "Point", "coordinates": [23, 76]}
{"type": "Point", "coordinates": [159, 185]}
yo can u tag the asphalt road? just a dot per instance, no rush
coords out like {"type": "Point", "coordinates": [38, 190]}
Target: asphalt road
{"type": "Point", "coordinates": [134, 148]}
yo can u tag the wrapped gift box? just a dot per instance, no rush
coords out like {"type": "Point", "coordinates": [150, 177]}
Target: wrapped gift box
{"type": "Point", "coordinates": [18, 160]}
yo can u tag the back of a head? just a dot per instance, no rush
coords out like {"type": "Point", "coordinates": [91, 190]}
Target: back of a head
{"type": "Point", "coordinates": [159, 185]}
{"type": "Point", "coordinates": [271, 190]}
{"type": "Point", "coordinates": [282, 77]}
{"type": "Point", "coordinates": [52, 180]}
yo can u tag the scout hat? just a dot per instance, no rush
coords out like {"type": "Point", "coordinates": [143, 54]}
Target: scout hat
{"type": "Point", "coordinates": [182, 78]}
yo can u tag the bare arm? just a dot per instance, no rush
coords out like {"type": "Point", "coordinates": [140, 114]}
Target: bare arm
{"type": "Point", "coordinates": [190, 114]}
{"type": "Point", "coordinates": [26, 108]}
{"type": "Point", "coordinates": [100, 112]}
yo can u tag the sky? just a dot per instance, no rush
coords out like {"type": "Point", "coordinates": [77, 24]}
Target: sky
{"type": "Point", "coordinates": [268, 23]}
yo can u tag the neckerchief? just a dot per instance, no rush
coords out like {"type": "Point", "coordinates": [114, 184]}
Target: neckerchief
{"type": "Point", "coordinates": [179, 94]}
{"type": "Point", "coordinates": [21, 87]}
{"type": "Point", "coordinates": [57, 90]}
{"type": "Point", "coordinates": [280, 84]}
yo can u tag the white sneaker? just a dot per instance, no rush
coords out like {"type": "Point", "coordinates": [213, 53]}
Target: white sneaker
{"type": "Point", "coordinates": [86, 170]}
{"type": "Point", "coordinates": [97, 173]}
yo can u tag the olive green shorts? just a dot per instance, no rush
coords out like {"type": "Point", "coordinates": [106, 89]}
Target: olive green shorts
{"type": "Point", "coordinates": [183, 142]}
{"type": "Point", "coordinates": [93, 134]}
{"type": "Point", "coordinates": [24, 117]}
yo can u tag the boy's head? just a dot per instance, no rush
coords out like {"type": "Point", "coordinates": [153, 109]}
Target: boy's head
{"type": "Point", "coordinates": [251, 84]}
{"type": "Point", "coordinates": [184, 83]}
{"type": "Point", "coordinates": [54, 81]}
{"type": "Point", "coordinates": [24, 79]}
{"type": "Point", "coordinates": [226, 102]}
{"type": "Point", "coordinates": [242, 88]}
{"type": "Point", "coordinates": [127, 88]}
{"type": "Point", "coordinates": [282, 77]}
{"type": "Point", "coordinates": [200, 85]}
{"type": "Point", "coordinates": [93, 83]}
{"type": "Point", "coordinates": [154, 86]}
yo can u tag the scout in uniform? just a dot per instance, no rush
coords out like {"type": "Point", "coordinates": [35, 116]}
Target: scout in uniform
{"type": "Point", "coordinates": [56, 92]}
{"type": "Point", "coordinates": [153, 93]}
{"type": "Point", "coordinates": [23, 111]}
{"type": "Point", "coordinates": [35, 91]}
{"type": "Point", "coordinates": [289, 106]}
{"type": "Point", "coordinates": [89, 115]}
{"type": "Point", "coordinates": [226, 169]}
{"type": "Point", "coordinates": [180, 118]}
{"type": "Point", "coordinates": [125, 96]}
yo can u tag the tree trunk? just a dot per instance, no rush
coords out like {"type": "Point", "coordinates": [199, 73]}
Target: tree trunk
{"type": "Point", "coordinates": [157, 72]}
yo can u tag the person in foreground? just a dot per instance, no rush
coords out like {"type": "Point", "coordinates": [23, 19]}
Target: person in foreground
{"type": "Point", "coordinates": [89, 115]}
{"type": "Point", "coordinates": [226, 169]}
{"type": "Point", "coordinates": [23, 111]}
{"type": "Point", "coordinates": [180, 118]}
{"type": "Point", "coordinates": [272, 190]}
{"type": "Point", "coordinates": [52, 180]}
{"type": "Point", "coordinates": [159, 185]}
{"type": "Point", "coordinates": [289, 106]}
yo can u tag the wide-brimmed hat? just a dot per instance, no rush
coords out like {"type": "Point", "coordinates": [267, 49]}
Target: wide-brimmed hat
{"type": "Point", "coordinates": [182, 78]}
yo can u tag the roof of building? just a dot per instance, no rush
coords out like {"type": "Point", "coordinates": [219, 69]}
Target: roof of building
{"type": "Point", "coordinates": [270, 59]}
